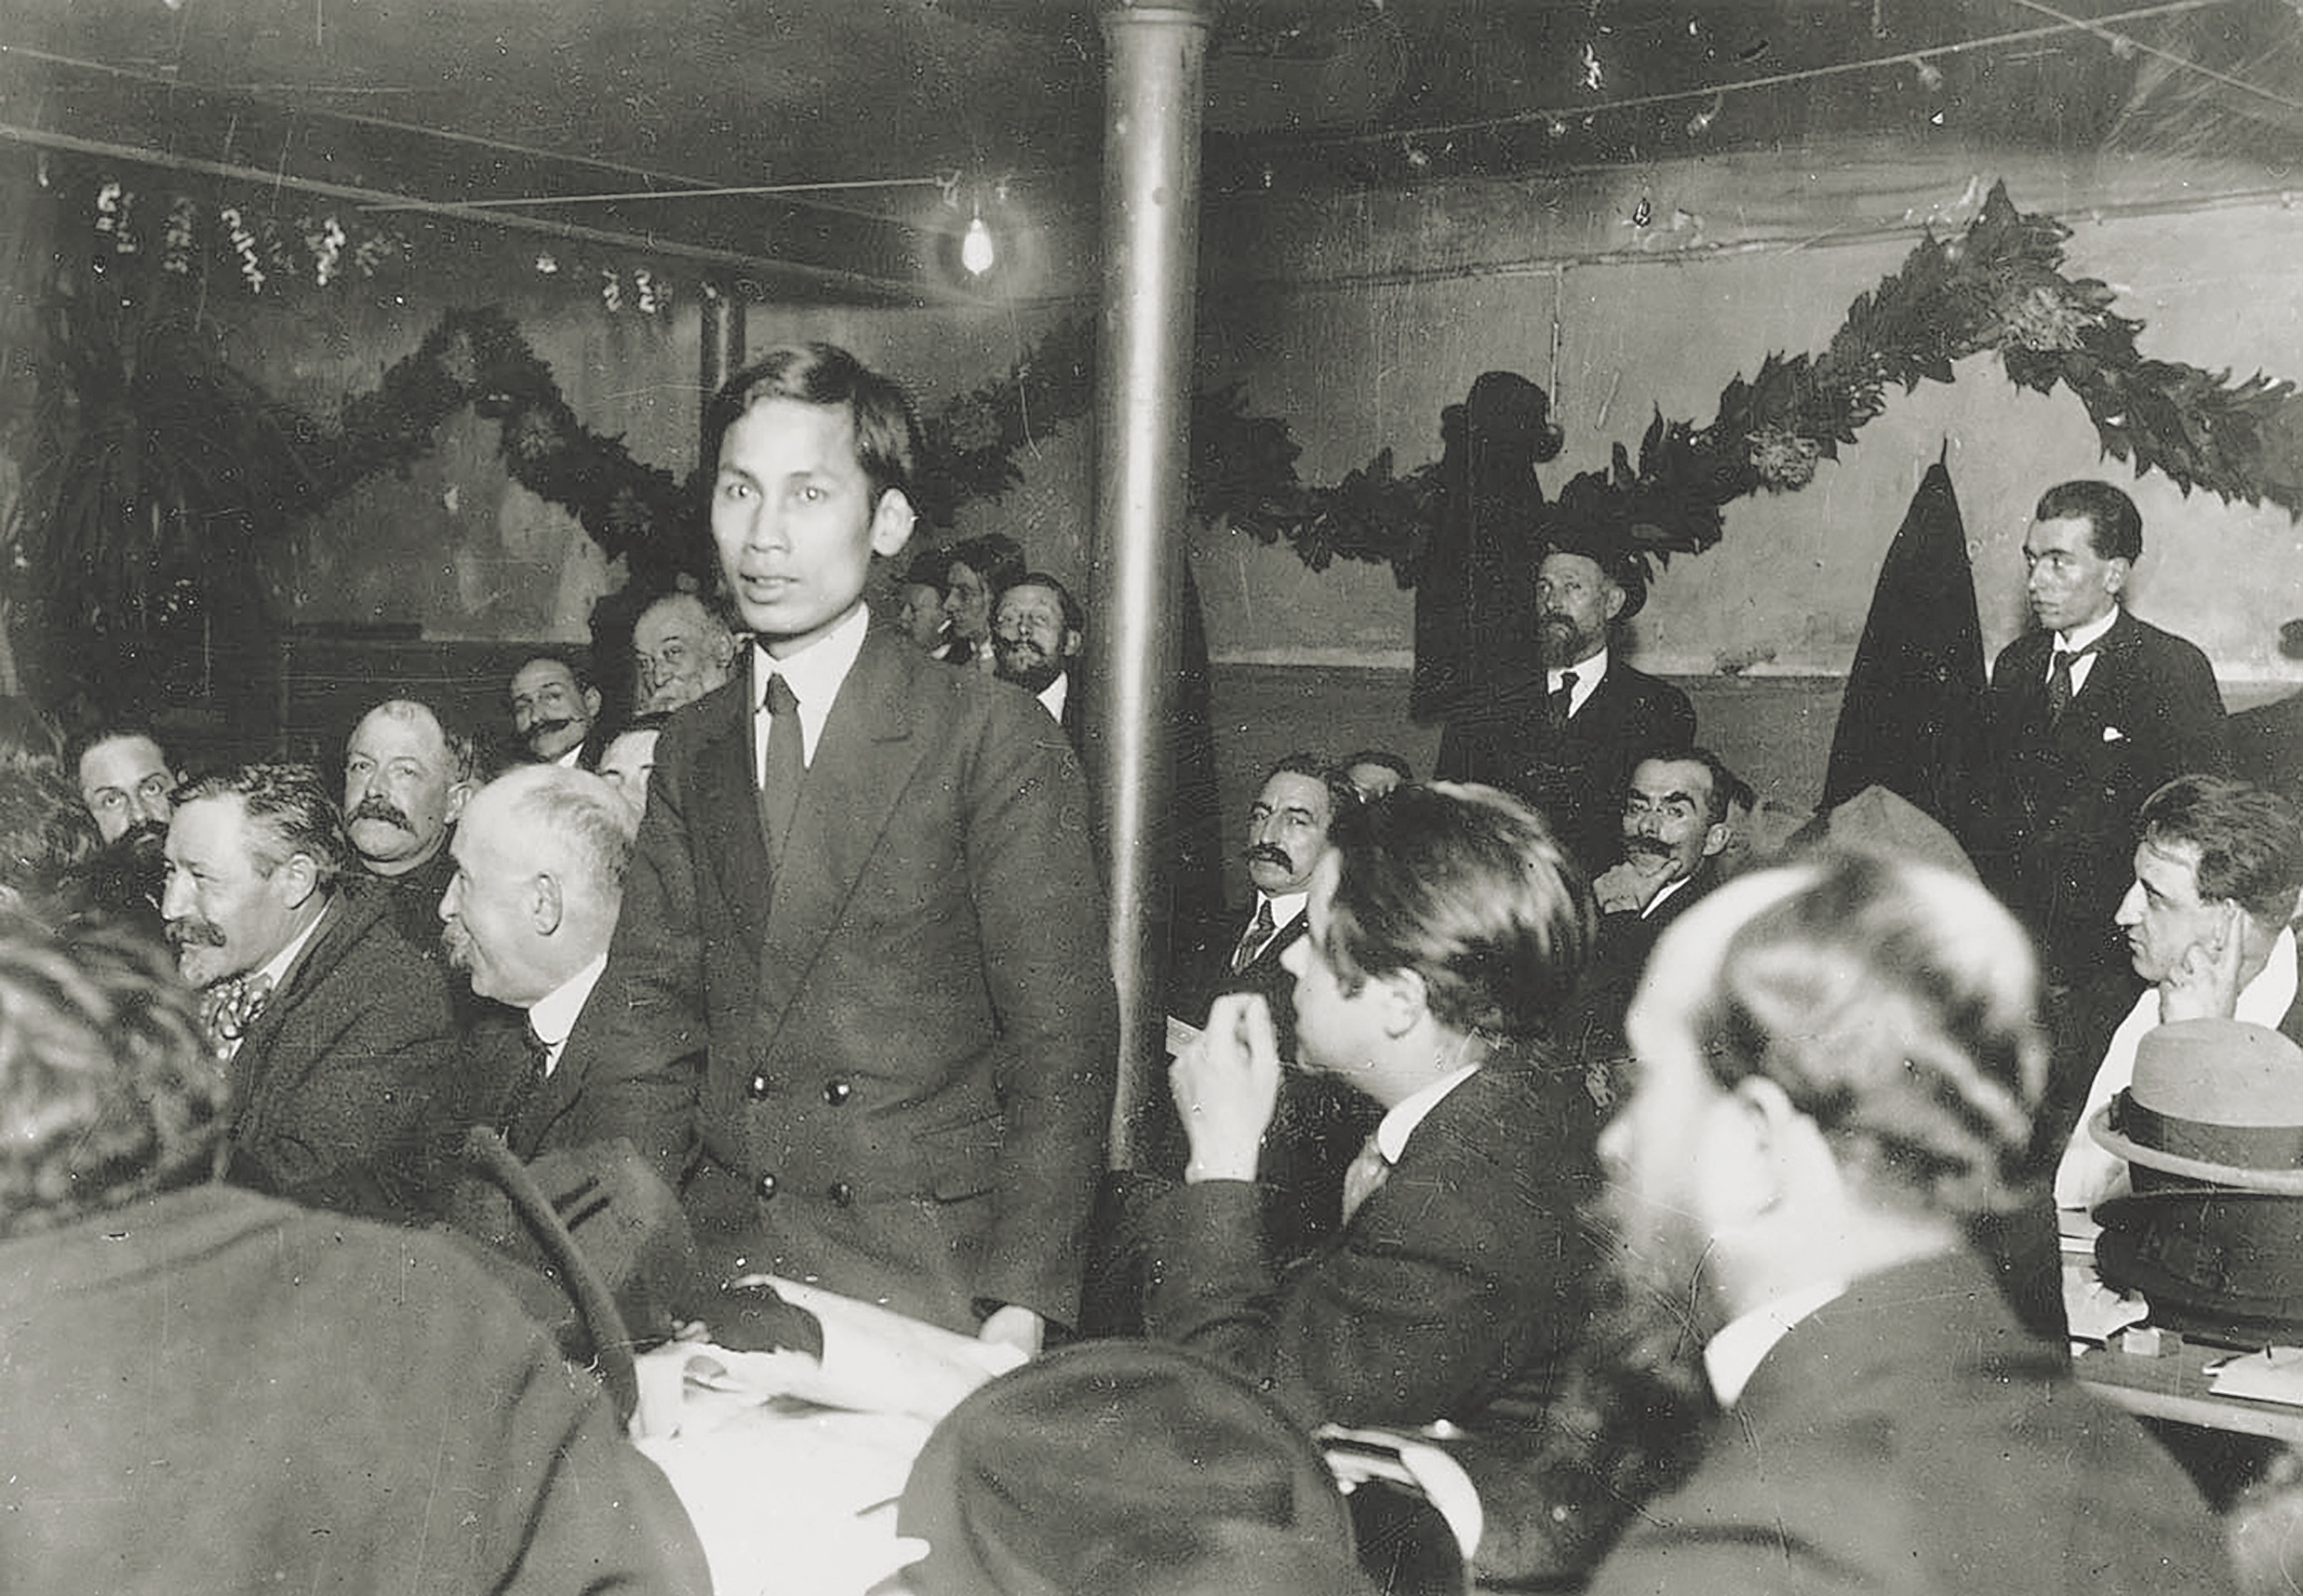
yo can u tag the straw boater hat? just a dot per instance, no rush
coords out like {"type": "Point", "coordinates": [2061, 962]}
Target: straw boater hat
{"type": "Point", "coordinates": [2211, 1129]}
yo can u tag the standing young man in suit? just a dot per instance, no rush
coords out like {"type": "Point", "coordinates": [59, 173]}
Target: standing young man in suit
{"type": "Point", "coordinates": [865, 891]}
{"type": "Point", "coordinates": [2091, 714]}
{"type": "Point", "coordinates": [1564, 738]}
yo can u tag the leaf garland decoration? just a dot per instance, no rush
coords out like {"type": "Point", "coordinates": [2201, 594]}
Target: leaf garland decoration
{"type": "Point", "coordinates": [1999, 287]}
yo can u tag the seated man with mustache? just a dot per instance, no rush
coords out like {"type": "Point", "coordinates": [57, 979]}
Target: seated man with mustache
{"type": "Point", "coordinates": [407, 777]}
{"type": "Point", "coordinates": [336, 1032]}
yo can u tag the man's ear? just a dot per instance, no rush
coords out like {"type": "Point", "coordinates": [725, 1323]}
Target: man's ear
{"type": "Point", "coordinates": [1406, 1000]}
{"type": "Point", "coordinates": [891, 522]}
{"type": "Point", "coordinates": [2115, 575]}
{"type": "Point", "coordinates": [1716, 838]}
{"type": "Point", "coordinates": [1071, 644]}
{"type": "Point", "coordinates": [1774, 1143]}
{"type": "Point", "coordinates": [296, 880]}
{"type": "Point", "coordinates": [592, 702]}
{"type": "Point", "coordinates": [459, 794]}
{"type": "Point", "coordinates": [1616, 599]}
{"type": "Point", "coordinates": [546, 907]}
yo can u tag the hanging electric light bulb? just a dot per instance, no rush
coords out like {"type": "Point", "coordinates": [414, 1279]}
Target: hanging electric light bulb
{"type": "Point", "coordinates": [975, 246]}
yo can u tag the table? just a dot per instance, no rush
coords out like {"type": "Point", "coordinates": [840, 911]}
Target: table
{"type": "Point", "coordinates": [791, 1467]}
{"type": "Point", "coordinates": [2174, 1386]}
{"type": "Point", "coordinates": [794, 1499]}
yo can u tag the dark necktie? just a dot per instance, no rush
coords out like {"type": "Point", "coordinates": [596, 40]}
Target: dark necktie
{"type": "Point", "coordinates": [1557, 702]}
{"type": "Point", "coordinates": [1364, 1177]}
{"type": "Point", "coordinates": [1251, 940]}
{"type": "Point", "coordinates": [2059, 681]}
{"type": "Point", "coordinates": [532, 1080]}
{"type": "Point", "coordinates": [779, 787]}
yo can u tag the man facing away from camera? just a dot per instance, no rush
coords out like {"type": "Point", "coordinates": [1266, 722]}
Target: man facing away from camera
{"type": "Point", "coordinates": [1837, 1066]}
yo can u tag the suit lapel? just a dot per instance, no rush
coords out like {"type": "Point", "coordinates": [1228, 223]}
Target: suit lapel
{"type": "Point", "coordinates": [252, 1078]}
{"type": "Point", "coordinates": [724, 815]}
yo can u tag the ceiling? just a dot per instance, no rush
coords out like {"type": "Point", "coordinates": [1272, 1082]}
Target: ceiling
{"type": "Point", "coordinates": [856, 108]}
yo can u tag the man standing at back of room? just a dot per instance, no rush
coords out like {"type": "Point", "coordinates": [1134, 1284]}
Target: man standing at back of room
{"type": "Point", "coordinates": [864, 888]}
{"type": "Point", "coordinates": [2091, 713]}
{"type": "Point", "coordinates": [1565, 740]}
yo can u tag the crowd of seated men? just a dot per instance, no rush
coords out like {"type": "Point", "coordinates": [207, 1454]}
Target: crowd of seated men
{"type": "Point", "coordinates": [1657, 1198]}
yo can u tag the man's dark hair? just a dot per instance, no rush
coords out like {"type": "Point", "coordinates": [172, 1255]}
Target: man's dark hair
{"type": "Point", "coordinates": [107, 1092]}
{"type": "Point", "coordinates": [578, 670]}
{"type": "Point", "coordinates": [2114, 525]}
{"type": "Point", "coordinates": [886, 428]}
{"type": "Point", "coordinates": [1725, 784]}
{"type": "Point", "coordinates": [1074, 618]}
{"type": "Point", "coordinates": [2250, 840]}
{"type": "Point", "coordinates": [46, 835]}
{"type": "Point", "coordinates": [1384, 757]}
{"type": "Point", "coordinates": [112, 731]}
{"type": "Point", "coordinates": [1342, 795]}
{"type": "Point", "coordinates": [994, 557]}
{"type": "Point", "coordinates": [1467, 887]}
{"type": "Point", "coordinates": [292, 811]}
{"type": "Point", "coordinates": [929, 567]}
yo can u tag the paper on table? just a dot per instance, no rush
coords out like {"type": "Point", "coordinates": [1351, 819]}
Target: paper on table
{"type": "Point", "coordinates": [2274, 1375]}
{"type": "Point", "coordinates": [875, 1360]}
{"type": "Point", "coordinates": [2095, 1311]}
{"type": "Point", "coordinates": [1180, 1036]}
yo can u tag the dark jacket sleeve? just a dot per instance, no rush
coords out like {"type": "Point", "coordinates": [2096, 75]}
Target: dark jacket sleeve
{"type": "Point", "coordinates": [1466, 1269]}
{"type": "Point", "coordinates": [1039, 905]}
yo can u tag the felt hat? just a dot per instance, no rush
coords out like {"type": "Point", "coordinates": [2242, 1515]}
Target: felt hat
{"type": "Point", "coordinates": [1035, 1479]}
{"type": "Point", "coordinates": [1570, 530]}
{"type": "Point", "coordinates": [2211, 1129]}
{"type": "Point", "coordinates": [2212, 1103]}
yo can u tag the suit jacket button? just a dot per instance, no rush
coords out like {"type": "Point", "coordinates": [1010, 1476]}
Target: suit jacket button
{"type": "Point", "coordinates": [842, 1193]}
{"type": "Point", "coordinates": [756, 1088]}
{"type": "Point", "coordinates": [766, 1187]}
{"type": "Point", "coordinates": [838, 1091]}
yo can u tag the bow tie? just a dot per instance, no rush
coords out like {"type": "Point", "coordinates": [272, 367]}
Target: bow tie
{"type": "Point", "coordinates": [229, 1007]}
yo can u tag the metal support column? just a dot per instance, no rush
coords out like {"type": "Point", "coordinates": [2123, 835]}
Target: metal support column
{"type": "Point", "coordinates": [1157, 56]}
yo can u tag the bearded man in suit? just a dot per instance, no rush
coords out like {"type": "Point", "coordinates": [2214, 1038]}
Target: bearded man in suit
{"type": "Point", "coordinates": [337, 1031]}
{"type": "Point", "coordinates": [1838, 1064]}
{"type": "Point", "coordinates": [2091, 713]}
{"type": "Point", "coordinates": [864, 888]}
{"type": "Point", "coordinates": [1564, 736]}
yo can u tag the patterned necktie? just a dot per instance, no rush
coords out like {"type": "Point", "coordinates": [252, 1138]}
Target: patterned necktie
{"type": "Point", "coordinates": [1251, 940]}
{"type": "Point", "coordinates": [1365, 1177]}
{"type": "Point", "coordinates": [2059, 688]}
{"type": "Point", "coordinates": [778, 788]}
{"type": "Point", "coordinates": [1560, 700]}
{"type": "Point", "coordinates": [229, 1007]}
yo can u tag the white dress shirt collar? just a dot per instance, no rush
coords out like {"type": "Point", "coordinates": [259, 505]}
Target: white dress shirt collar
{"type": "Point", "coordinates": [1052, 696]}
{"type": "Point", "coordinates": [273, 975]}
{"type": "Point", "coordinates": [815, 673]}
{"type": "Point", "coordinates": [1732, 1357]}
{"type": "Point", "coordinates": [553, 1015]}
{"type": "Point", "coordinates": [1285, 906]}
{"type": "Point", "coordinates": [1587, 675]}
{"type": "Point", "coordinates": [1400, 1123]}
{"type": "Point", "coordinates": [2084, 638]}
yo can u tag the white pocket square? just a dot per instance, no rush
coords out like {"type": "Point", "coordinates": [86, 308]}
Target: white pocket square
{"type": "Point", "coordinates": [2114, 734]}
